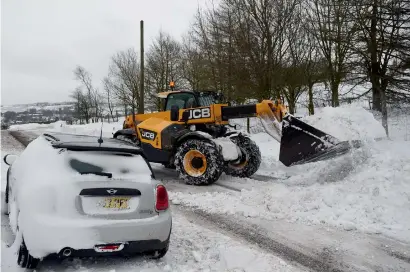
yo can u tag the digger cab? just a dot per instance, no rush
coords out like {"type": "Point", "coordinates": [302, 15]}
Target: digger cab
{"type": "Point", "coordinates": [188, 99]}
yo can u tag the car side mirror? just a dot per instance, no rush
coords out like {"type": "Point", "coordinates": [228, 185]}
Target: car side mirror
{"type": "Point", "coordinates": [9, 159]}
{"type": "Point", "coordinates": [185, 116]}
{"type": "Point", "coordinates": [174, 113]}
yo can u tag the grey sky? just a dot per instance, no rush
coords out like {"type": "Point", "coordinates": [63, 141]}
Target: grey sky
{"type": "Point", "coordinates": [42, 41]}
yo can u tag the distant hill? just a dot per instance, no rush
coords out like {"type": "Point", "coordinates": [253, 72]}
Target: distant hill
{"type": "Point", "coordinates": [38, 106]}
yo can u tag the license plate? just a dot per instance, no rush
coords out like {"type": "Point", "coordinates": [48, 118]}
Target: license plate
{"type": "Point", "coordinates": [117, 203]}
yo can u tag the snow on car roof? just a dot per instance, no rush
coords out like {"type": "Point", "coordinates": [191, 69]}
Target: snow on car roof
{"type": "Point", "coordinates": [90, 143]}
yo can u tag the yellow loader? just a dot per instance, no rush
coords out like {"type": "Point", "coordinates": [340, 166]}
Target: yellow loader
{"type": "Point", "coordinates": [192, 134]}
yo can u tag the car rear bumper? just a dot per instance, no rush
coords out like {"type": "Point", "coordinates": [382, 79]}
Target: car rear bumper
{"type": "Point", "coordinates": [130, 248]}
{"type": "Point", "coordinates": [81, 235]}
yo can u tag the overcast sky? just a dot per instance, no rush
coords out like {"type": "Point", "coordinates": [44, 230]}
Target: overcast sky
{"type": "Point", "coordinates": [42, 41]}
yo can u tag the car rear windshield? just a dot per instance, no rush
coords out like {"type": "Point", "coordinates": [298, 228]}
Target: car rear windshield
{"type": "Point", "coordinates": [112, 165]}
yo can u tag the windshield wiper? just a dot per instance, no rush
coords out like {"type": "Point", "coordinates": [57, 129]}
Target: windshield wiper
{"type": "Point", "coordinates": [109, 175]}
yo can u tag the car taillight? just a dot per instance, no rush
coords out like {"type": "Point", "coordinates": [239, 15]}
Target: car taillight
{"type": "Point", "coordinates": [162, 198]}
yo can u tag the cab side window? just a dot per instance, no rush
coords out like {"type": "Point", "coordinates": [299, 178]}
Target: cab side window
{"type": "Point", "coordinates": [182, 100]}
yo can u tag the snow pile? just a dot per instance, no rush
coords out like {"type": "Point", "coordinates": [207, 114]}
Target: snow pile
{"type": "Point", "coordinates": [347, 122]}
{"type": "Point", "coordinates": [36, 126]}
{"type": "Point", "coordinates": [373, 195]}
{"type": "Point", "coordinates": [367, 189]}
{"type": "Point", "coordinates": [93, 129]}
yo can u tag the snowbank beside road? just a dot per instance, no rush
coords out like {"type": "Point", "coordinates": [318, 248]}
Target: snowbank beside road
{"type": "Point", "coordinates": [372, 196]}
{"type": "Point", "coordinates": [367, 189]}
{"type": "Point", "coordinates": [347, 122]}
{"type": "Point", "coordinates": [93, 129]}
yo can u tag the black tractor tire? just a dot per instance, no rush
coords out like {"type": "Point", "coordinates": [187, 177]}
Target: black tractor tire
{"type": "Point", "coordinates": [211, 158]}
{"type": "Point", "coordinates": [250, 160]}
{"type": "Point", "coordinates": [24, 259]}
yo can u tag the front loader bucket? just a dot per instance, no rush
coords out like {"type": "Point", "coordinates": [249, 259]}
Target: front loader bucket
{"type": "Point", "coordinates": [301, 143]}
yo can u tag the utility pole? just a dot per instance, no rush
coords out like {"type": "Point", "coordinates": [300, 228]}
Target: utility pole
{"type": "Point", "coordinates": [141, 96]}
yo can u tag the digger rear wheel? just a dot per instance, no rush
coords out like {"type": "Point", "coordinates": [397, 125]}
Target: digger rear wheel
{"type": "Point", "coordinates": [198, 162]}
{"type": "Point", "coordinates": [250, 161]}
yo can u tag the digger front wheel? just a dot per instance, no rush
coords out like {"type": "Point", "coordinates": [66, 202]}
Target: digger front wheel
{"type": "Point", "coordinates": [250, 160]}
{"type": "Point", "coordinates": [198, 162]}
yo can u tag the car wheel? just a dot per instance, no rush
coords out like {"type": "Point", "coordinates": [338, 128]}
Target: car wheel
{"type": "Point", "coordinates": [24, 259]}
{"type": "Point", "coordinates": [158, 254]}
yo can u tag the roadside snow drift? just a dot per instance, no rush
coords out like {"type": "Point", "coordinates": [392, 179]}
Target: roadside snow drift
{"type": "Point", "coordinates": [347, 122]}
{"type": "Point", "coordinates": [92, 129]}
{"type": "Point", "coordinates": [366, 189]}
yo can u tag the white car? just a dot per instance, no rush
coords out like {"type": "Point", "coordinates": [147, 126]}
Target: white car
{"type": "Point", "coordinates": [76, 196]}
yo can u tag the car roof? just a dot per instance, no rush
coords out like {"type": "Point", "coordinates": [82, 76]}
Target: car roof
{"type": "Point", "coordinates": [76, 142]}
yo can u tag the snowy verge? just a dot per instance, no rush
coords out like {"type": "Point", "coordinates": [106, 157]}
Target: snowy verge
{"type": "Point", "coordinates": [93, 129]}
{"type": "Point", "coordinates": [347, 122]}
{"type": "Point", "coordinates": [367, 189]}
{"type": "Point", "coordinates": [372, 196]}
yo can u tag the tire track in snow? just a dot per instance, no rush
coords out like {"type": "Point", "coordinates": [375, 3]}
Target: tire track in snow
{"type": "Point", "coordinates": [254, 235]}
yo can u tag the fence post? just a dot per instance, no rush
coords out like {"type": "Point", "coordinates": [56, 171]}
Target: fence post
{"type": "Point", "coordinates": [248, 125]}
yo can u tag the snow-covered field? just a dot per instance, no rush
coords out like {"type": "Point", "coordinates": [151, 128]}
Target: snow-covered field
{"type": "Point", "coordinates": [367, 190]}
{"type": "Point", "coordinates": [93, 129]}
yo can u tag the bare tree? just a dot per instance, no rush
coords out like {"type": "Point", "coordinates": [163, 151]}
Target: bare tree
{"type": "Point", "coordinates": [293, 72]}
{"type": "Point", "coordinates": [123, 78]}
{"type": "Point", "coordinates": [193, 65]}
{"type": "Point", "coordinates": [90, 99]}
{"type": "Point", "coordinates": [329, 23]}
{"type": "Point", "coordinates": [82, 105]}
{"type": "Point", "coordinates": [163, 65]}
{"type": "Point", "coordinates": [108, 95]}
{"type": "Point", "coordinates": [242, 44]}
{"type": "Point", "coordinates": [382, 47]}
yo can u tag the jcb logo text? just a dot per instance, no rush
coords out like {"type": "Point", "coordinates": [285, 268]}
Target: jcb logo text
{"type": "Point", "coordinates": [199, 113]}
{"type": "Point", "coordinates": [148, 135]}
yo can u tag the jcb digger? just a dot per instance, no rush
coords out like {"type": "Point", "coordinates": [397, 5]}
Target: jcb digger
{"type": "Point", "coordinates": [192, 134]}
